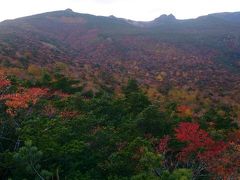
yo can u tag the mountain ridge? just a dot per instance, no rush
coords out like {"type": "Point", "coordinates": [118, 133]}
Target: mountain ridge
{"type": "Point", "coordinates": [196, 53]}
{"type": "Point", "coordinates": [162, 16]}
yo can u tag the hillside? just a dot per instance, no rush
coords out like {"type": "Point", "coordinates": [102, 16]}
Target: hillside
{"type": "Point", "coordinates": [200, 53]}
{"type": "Point", "coordinates": [93, 97]}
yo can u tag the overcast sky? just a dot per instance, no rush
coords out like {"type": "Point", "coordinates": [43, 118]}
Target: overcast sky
{"type": "Point", "coordinates": [131, 9]}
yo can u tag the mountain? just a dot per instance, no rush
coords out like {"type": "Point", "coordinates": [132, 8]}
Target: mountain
{"type": "Point", "coordinates": [93, 97]}
{"type": "Point", "coordinates": [199, 54]}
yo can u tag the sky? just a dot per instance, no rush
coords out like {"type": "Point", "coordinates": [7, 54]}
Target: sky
{"type": "Point", "coordinates": [143, 10]}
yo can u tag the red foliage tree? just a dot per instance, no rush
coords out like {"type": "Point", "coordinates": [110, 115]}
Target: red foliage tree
{"type": "Point", "coordinates": [227, 164]}
{"type": "Point", "coordinates": [198, 142]}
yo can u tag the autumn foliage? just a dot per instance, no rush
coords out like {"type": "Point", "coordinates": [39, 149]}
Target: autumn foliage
{"type": "Point", "coordinates": [198, 142]}
{"type": "Point", "coordinates": [4, 82]}
{"type": "Point", "coordinates": [71, 128]}
{"type": "Point", "coordinates": [21, 100]}
{"type": "Point", "coordinates": [227, 164]}
{"type": "Point", "coordinates": [184, 111]}
{"type": "Point", "coordinates": [64, 86]}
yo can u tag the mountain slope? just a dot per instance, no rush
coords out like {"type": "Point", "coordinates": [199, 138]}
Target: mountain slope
{"type": "Point", "coordinates": [200, 53]}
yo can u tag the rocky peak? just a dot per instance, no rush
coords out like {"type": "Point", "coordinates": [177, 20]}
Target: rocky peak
{"type": "Point", "coordinates": [69, 10]}
{"type": "Point", "coordinates": [165, 18]}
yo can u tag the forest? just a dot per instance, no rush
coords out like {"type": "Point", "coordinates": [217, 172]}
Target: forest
{"type": "Point", "coordinates": [52, 129]}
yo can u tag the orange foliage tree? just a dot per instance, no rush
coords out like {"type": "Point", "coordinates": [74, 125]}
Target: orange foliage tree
{"type": "Point", "coordinates": [184, 111]}
{"type": "Point", "coordinates": [21, 100]}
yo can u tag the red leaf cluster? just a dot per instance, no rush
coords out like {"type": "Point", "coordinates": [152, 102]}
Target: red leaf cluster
{"type": "Point", "coordinates": [227, 164]}
{"type": "Point", "coordinates": [198, 142]}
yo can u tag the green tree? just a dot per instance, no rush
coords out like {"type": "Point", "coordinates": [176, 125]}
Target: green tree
{"type": "Point", "coordinates": [151, 121]}
{"type": "Point", "coordinates": [131, 87]}
{"type": "Point", "coordinates": [28, 158]}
